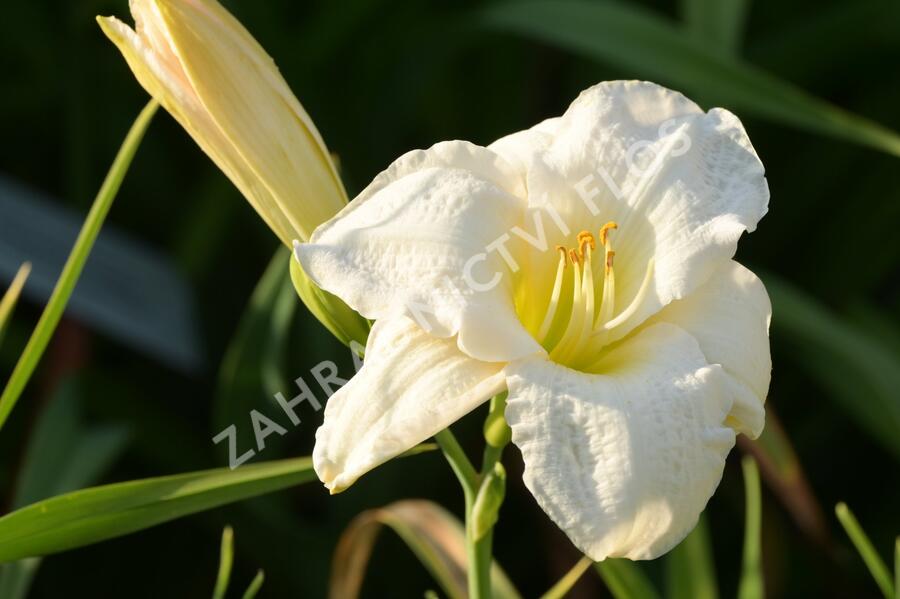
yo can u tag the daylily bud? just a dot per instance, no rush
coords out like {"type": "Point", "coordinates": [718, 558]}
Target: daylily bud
{"type": "Point", "coordinates": [496, 430]}
{"type": "Point", "coordinates": [490, 497]}
{"type": "Point", "coordinates": [201, 64]}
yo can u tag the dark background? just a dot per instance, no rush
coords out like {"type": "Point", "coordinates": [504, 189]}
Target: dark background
{"type": "Point", "coordinates": [380, 78]}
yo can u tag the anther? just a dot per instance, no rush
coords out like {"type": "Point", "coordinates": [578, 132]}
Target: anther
{"type": "Point", "coordinates": [604, 231]}
{"type": "Point", "coordinates": [564, 253]}
{"type": "Point", "coordinates": [585, 238]}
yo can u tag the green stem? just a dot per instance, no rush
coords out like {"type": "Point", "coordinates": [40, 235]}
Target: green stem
{"type": "Point", "coordinates": [74, 264]}
{"type": "Point", "coordinates": [479, 548]}
{"type": "Point", "coordinates": [480, 558]}
{"type": "Point", "coordinates": [460, 464]}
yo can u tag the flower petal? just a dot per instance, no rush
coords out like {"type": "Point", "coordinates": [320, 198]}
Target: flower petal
{"type": "Point", "coordinates": [625, 461]}
{"type": "Point", "coordinates": [414, 242]}
{"type": "Point", "coordinates": [520, 148]}
{"type": "Point", "coordinates": [729, 317]}
{"type": "Point", "coordinates": [411, 386]}
{"type": "Point", "coordinates": [683, 185]}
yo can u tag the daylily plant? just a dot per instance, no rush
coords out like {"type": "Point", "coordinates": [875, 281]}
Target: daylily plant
{"type": "Point", "coordinates": [584, 266]}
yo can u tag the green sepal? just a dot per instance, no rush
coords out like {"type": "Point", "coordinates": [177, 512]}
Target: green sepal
{"type": "Point", "coordinates": [349, 327]}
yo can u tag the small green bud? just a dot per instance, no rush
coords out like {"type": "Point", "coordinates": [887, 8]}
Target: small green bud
{"type": "Point", "coordinates": [490, 497]}
{"type": "Point", "coordinates": [496, 431]}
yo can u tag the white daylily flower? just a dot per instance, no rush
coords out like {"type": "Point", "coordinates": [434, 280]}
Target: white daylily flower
{"type": "Point", "coordinates": [632, 353]}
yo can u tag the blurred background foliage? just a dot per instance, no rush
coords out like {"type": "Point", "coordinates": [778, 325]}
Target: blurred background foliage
{"type": "Point", "coordinates": [174, 334]}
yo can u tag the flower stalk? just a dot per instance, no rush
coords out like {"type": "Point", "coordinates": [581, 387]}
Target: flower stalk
{"type": "Point", "coordinates": [483, 491]}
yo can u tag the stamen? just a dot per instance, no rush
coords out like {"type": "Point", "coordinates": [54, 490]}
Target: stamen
{"type": "Point", "coordinates": [608, 300]}
{"type": "Point", "coordinates": [587, 288]}
{"type": "Point", "coordinates": [578, 339]}
{"type": "Point", "coordinates": [554, 297]}
{"type": "Point", "coordinates": [570, 337]}
{"type": "Point", "coordinates": [635, 303]}
{"type": "Point", "coordinates": [601, 335]}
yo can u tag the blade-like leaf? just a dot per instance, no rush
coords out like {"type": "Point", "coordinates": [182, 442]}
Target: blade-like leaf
{"type": "Point", "coordinates": [648, 45]}
{"type": "Point", "coordinates": [100, 513]}
{"type": "Point", "coordinates": [124, 284]}
{"type": "Point", "coordinates": [751, 585]}
{"type": "Point", "coordinates": [74, 264]}
{"type": "Point", "coordinates": [897, 568]}
{"type": "Point", "coordinates": [625, 579]}
{"type": "Point", "coordinates": [9, 299]}
{"type": "Point", "coordinates": [255, 585]}
{"type": "Point", "coordinates": [877, 568]}
{"type": "Point", "coordinates": [843, 35]}
{"type": "Point", "coordinates": [565, 584]}
{"type": "Point", "coordinates": [252, 367]}
{"type": "Point", "coordinates": [865, 386]}
{"type": "Point", "coordinates": [62, 455]}
{"type": "Point", "coordinates": [781, 470]}
{"type": "Point", "coordinates": [718, 24]}
{"type": "Point", "coordinates": [433, 534]}
{"type": "Point", "coordinates": [226, 559]}
{"type": "Point", "coordinates": [690, 570]}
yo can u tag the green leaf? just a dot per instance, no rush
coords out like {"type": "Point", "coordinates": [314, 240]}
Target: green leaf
{"type": "Point", "coordinates": [63, 454]}
{"type": "Point", "coordinates": [226, 559]}
{"type": "Point", "coordinates": [53, 312]}
{"type": "Point", "coordinates": [625, 579]}
{"type": "Point", "coordinates": [690, 569]}
{"type": "Point", "coordinates": [433, 534]}
{"type": "Point", "coordinates": [836, 34]}
{"type": "Point", "coordinates": [865, 386]}
{"type": "Point", "coordinates": [9, 299]}
{"type": "Point", "coordinates": [565, 584]}
{"type": "Point", "coordinates": [719, 24]}
{"type": "Point", "coordinates": [751, 585]}
{"type": "Point", "coordinates": [783, 474]}
{"type": "Point", "coordinates": [255, 585]}
{"type": "Point", "coordinates": [877, 568]}
{"type": "Point", "coordinates": [897, 568]}
{"type": "Point", "coordinates": [40, 228]}
{"type": "Point", "coordinates": [651, 46]}
{"type": "Point", "coordinates": [100, 513]}
{"type": "Point", "coordinates": [250, 374]}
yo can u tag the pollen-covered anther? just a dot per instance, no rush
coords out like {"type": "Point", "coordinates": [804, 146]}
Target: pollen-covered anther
{"type": "Point", "coordinates": [604, 231]}
{"type": "Point", "coordinates": [585, 238]}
